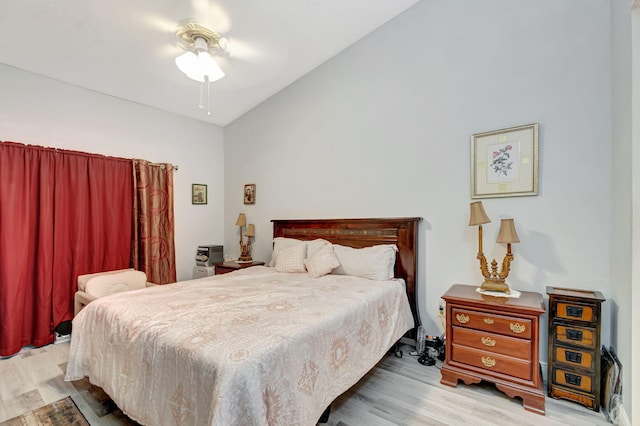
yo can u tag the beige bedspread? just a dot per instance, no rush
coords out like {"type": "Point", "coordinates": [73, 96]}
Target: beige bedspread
{"type": "Point", "coordinates": [254, 347]}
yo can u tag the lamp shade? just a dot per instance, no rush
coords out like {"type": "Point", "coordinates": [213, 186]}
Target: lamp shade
{"type": "Point", "coordinates": [478, 215]}
{"type": "Point", "coordinates": [242, 220]}
{"type": "Point", "coordinates": [250, 232]}
{"type": "Point", "coordinates": [507, 233]}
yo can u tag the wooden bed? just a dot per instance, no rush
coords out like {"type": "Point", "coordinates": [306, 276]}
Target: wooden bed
{"type": "Point", "coordinates": [365, 232]}
{"type": "Point", "coordinates": [252, 347]}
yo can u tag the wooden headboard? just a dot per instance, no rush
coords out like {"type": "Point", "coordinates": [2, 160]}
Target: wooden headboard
{"type": "Point", "coordinates": [403, 232]}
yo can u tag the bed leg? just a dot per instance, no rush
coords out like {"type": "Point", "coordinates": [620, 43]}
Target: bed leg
{"type": "Point", "coordinates": [396, 349]}
{"type": "Point", "coordinates": [324, 418]}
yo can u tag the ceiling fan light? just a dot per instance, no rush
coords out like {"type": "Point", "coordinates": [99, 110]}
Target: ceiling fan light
{"type": "Point", "coordinates": [187, 62]}
{"type": "Point", "coordinates": [197, 67]}
{"type": "Point", "coordinates": [209, 67]}
{"type": "Point", "coordinates": [205, 60]}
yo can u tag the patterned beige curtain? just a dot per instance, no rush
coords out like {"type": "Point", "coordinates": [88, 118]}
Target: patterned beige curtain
{"type": "Point", "coordinates": [153, 247]}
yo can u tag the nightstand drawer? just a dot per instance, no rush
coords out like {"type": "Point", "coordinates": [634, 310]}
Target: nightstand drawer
{"type": "Point", "coordinates": [495, 343]}
{"type": "Point", "coordinates": [508, 326]}
{"type": "Point", "coordinates": [581, 336]}
{"type": "Point", "coordinates": [575, 357]}
{"type": "Point", "coordinates": [573, 379]}
{"type": "Point", "coordinates": [572, 311]}
{"type": "Point", "coordinates": [495, 363]}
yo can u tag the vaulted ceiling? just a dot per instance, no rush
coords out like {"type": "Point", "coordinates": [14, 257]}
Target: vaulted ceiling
{"type": "Point", "coordinates": [127, 49]}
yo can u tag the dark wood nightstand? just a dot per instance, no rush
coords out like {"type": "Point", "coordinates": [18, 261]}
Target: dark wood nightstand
{"type": "Point", "coordinates": [574, 345]}
{"type": "Point", "coordinates": [226, 267]}
{"type": "Point", "coordinates": [495, 339]}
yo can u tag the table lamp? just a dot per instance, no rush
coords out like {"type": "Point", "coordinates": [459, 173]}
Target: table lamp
{"type": "Point", "coordinates": [494, 280]}
{"type": "Point", "coordinates": [245, 248]}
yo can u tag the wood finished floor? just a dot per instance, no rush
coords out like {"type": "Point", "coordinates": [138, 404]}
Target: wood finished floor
{"type": "Point", "coordinates": [399, 391]}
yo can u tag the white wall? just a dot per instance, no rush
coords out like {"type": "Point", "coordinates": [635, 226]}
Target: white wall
{"type": "Point", "coordinates": [632, 405]}
{"type": "Point", "coordinates": [41, 111]}
{"type": "Point", "coordinates": [620, 301]}
{"type": "Point", "coordinates": [383, 129]}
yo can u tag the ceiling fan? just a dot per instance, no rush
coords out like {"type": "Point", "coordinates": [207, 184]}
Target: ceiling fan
{"type": "Point", "coordinates": [197, 61]}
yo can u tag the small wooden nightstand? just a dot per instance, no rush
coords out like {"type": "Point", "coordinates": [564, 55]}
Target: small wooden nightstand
{"type": "Point", "coordinates": [226, 267]}
{"type": "Point", "coordinates": [495, 339]}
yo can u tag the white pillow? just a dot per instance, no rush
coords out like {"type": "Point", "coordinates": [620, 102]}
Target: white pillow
{"type": "Point", "coordinates": [291, 259]}
{"type": "Point", "coordinates": [314, 246]}
{"type": "Point", "coordinates": [322, 262]}
{"type": "Point", "coordinates": [375, 263]}
{"type": "Point", "coordinates": [280, 243]}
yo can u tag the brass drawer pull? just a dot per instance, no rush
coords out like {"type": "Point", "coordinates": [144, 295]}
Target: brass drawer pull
{"type": "Point", "coordinates": [517, 328]}
{"type": "Point", "coordinates": [488, 320]}
{"type": "Point", "coordinates": [488, 362]}
{"type": "Point", "coordinates": [488, 341]}
{"type": "Point", "coordinates": [463, 319]}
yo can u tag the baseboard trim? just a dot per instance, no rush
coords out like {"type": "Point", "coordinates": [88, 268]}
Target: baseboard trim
{"type": "Point", "coordinates": [623, 419]}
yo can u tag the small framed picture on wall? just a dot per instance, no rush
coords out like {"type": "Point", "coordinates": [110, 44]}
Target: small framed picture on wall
{"type": "Point", "coordinates": [504, 163]}
{"type": "Point", "coordinates": [198, 193]}
{"type": "Point", "coordinates": [250, 193]}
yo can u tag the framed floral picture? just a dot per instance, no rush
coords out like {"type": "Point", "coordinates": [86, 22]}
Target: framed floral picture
{"type": "Point", "coordinates": [504, 163]}
{"type": "Point", "coordinates": [250, 193]}
{"type": "Point", "coordinates": [198, 193]}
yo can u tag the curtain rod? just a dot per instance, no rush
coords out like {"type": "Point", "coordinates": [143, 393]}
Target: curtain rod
{"type": "Point", "coordinates": [175, 166]}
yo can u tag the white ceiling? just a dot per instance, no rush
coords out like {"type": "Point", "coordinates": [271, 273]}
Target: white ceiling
{"type": "Point", "coordinates": [127, 48]}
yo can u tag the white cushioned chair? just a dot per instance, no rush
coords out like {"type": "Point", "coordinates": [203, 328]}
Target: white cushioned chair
{"type": "Point", "coordinates": [94, 286]}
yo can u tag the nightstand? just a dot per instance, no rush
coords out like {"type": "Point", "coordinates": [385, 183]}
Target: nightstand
{"type": "Point", "coordinates": [574, 345]}
{"type": "Point", "coordinates": [226, 267]}
{"type": "Point", "coordinates": [495, 339]}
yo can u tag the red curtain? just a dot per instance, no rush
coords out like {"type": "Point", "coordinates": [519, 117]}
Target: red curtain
{"type": "Point", "coordinates": [62, 213]}
{"type": "Point", "coordinates": [93, 210]}
{"type": "Point", "coordinates": [153, 245]}
{"type": "Point", "coordinates": [26, 247]}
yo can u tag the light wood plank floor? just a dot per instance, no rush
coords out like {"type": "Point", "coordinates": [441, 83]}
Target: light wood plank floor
{"type": "Point", "coordinates": [399, 391]}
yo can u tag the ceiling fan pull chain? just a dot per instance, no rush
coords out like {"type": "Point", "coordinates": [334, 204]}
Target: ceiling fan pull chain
{"type": "Point", "coordinates": [208, 96]}
{"type": "Point", "coordinates": [200, 105]}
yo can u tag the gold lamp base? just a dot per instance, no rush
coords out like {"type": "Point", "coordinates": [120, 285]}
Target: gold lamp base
{"type": "Point", "coordinates": [499, 286]}
{"type": "Point", "coordinates": [245, 258]}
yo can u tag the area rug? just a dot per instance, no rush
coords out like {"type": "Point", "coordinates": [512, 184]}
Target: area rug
{"type": "Point", "coordinates": [59, 413]}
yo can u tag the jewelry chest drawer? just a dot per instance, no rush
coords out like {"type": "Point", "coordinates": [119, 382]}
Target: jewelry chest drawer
{"type": "Point", "coordinates": [574, 335]}
{"type": "Point", "coordinates": [574, 357]}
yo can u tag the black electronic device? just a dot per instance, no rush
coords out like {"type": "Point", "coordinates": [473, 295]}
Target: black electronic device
{"type": "Point", "coordinates": [433, 346]}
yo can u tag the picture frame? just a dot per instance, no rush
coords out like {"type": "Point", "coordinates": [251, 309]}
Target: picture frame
{"type": "Point", "coordinates": [198, 193]}
{"type": "Point", "coordinates": [504, 163]}
{"type": "Point", "coordinates": [250, 193]}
